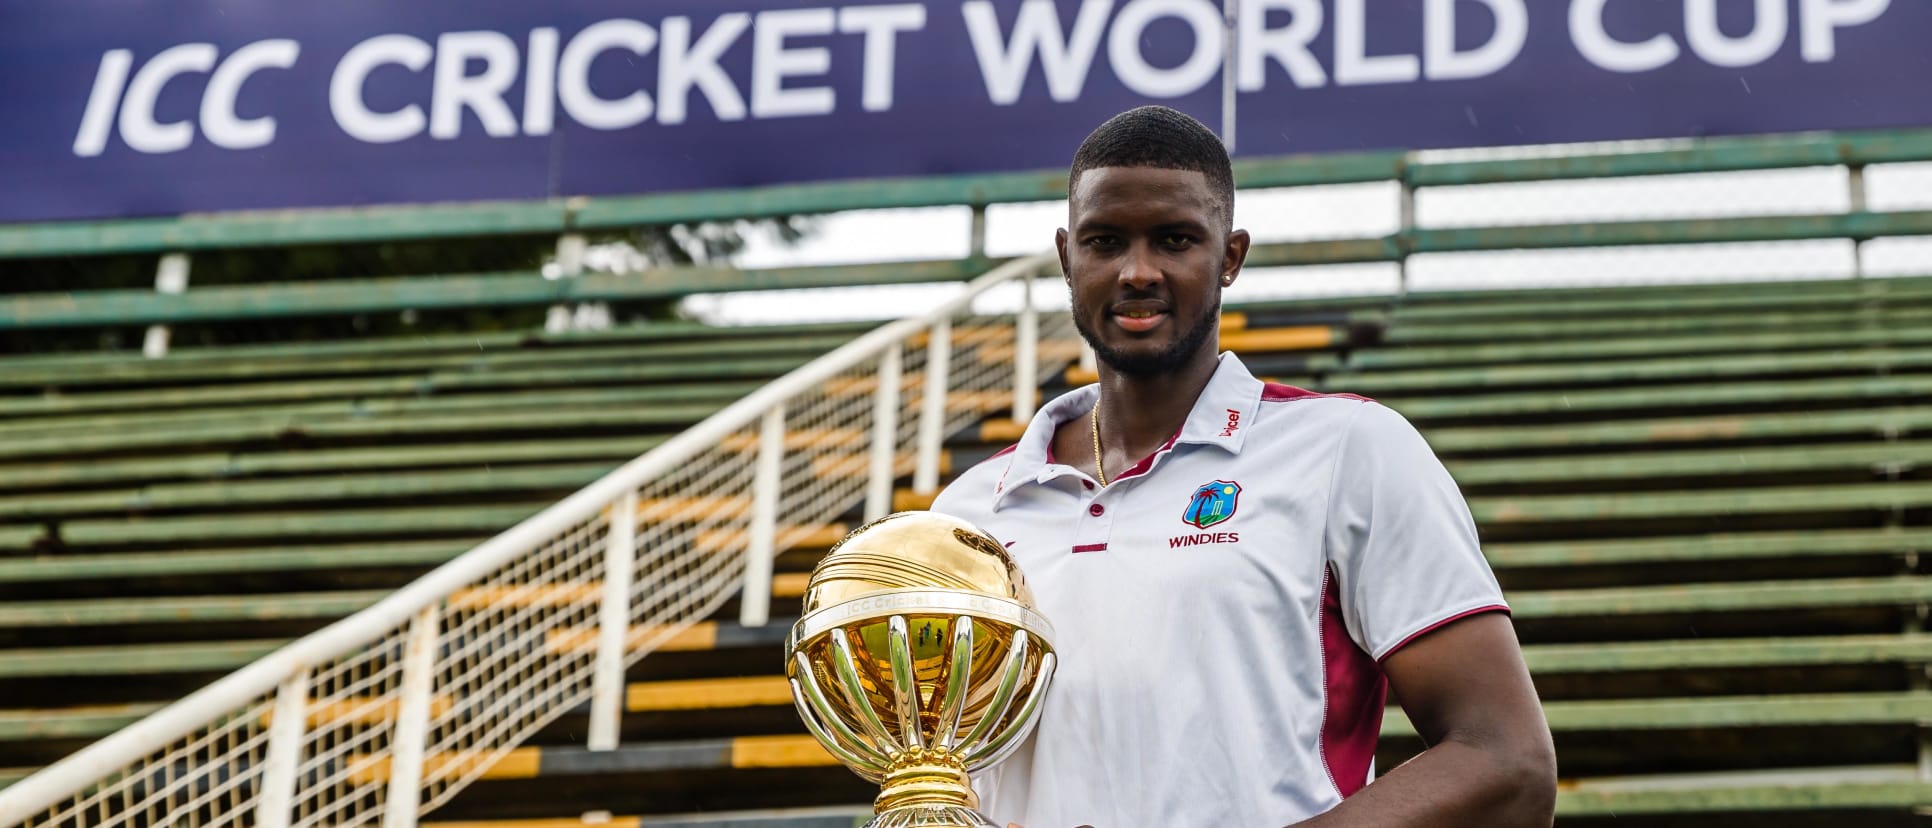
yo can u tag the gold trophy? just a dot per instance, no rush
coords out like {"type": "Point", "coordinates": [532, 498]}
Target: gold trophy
{"type": "Point", "coordinates": [918, 659]}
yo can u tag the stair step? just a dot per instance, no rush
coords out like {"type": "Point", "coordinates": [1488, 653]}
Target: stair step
{"type": "Point", "coordinates": [189, 609]}
{"type": "Point", "coordinates": [1903, 590]}
{"type": "Point", "coordinates": [1716, 547]}
{"type": "Point", "coordinates": [228, 562]}
{"type": "Point", "coordinates": [801, 750]}
{"type": "Point", "coordinates": [8, 776]}
{"type": "Point", "coordinates": [703, 635]}
{"type": "Point", "coordinates": [1720, 653]}
{"type": "Point", "coordinates": [138, 659]}
{"type": "Point", "coordinates": [708, 694]}
{"type": "Point", "coordinates": [84, 722]}
{"type": "Point", "coordinates": [775, 690]}
{"type": "Point", "coordinates": [1500, 511]}
{"type": "Point", "coordinates": [1901, 708]}
{"type": "Point", "coordinates": [853, 816]}
{"type": "Point", "coordinates": [1798, 789]}
{"type": "Point", "coordinates": [787, 751]}
{"type": "Point", "coordinates": [1825, 789]}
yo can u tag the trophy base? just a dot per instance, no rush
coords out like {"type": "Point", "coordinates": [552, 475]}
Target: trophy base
{"type": "Point", "coordinates": [931, 816]}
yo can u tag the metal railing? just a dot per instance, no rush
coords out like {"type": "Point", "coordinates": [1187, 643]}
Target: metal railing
{"type": "Point", "coordinates": [392, 711]}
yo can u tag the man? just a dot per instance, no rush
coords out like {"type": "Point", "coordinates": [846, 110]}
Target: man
{"type": "Point", "coordinates": [1237, 572]}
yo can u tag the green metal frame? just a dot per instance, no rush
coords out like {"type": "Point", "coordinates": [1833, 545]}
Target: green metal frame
{"type": "Point", "coordinates": [563, 216]}
{"type": "Point", "coordinates": [555, 216]}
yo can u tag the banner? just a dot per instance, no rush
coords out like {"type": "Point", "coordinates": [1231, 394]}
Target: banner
{"type": "Point", "coordinates": [117, 108]}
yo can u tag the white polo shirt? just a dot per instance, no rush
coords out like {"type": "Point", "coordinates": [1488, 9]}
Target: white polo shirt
{"type": "Point", "coordinates": [1221, 609]}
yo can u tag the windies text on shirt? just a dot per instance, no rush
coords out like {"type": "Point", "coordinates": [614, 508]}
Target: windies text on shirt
{"type": "Point", "coordinates": [1204, 537]}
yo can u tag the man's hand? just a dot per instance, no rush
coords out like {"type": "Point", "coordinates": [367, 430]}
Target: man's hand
{"type": "Point", "coordinates": [1489, 760]}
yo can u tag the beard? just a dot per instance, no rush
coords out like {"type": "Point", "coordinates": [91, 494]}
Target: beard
{"type": "Point", "coordinates": [1163, 361]}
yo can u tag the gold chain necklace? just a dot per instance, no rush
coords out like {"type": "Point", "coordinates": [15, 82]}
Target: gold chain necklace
{"type": "Point", "coordinates": [1094, 418]}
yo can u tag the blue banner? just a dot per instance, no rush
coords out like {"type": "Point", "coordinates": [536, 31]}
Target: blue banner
{"type": "Point", "coordinates": [119, 108]}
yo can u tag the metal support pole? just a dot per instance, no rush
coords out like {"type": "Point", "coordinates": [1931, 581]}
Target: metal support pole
{"type": "Point", "coordinates": [1026, 354]}
{"type": "Point", "coordinates": [754, 606]}
{"type": "Point", "coordinates": [932, 408]}
{"type": "Point", "coordinates": [570, 264]}
{"type": "Point", "coordinates": [1918, 680]}
{"type": "Point", "coordinates": [170, 278]}
{"type": "Point", "coordinates": [406, 742]}
{"type": "Point", "coordinates": [1230, 77]}
{"type": "Point", "coordinates": [977, 246]}
{"type": "Point", "coordinates": [1405, 206]}
{"type": "Point", "coordinates": [1858, 205]}
{"type": "Point", "coordinates": [275, 800]}
{"type": "Point", "coordinates": [613, 623]}
{"type": "Point", "coordinates": [883, 470]}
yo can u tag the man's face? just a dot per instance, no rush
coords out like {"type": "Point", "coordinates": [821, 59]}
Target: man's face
{"type": "Point", "coordinates": [1146, 253]}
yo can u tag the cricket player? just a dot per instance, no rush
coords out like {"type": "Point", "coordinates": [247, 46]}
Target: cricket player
{"type": "Point", "coordinates": [1238, 573]}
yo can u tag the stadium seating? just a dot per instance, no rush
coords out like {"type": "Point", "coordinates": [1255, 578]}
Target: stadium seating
{"type": "Point", "coordinates": [165, 522]}
{"type": "Point", "coordinates": [1705, 502]}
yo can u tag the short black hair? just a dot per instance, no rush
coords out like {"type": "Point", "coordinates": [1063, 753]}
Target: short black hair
{"type": "Point", "coordinates": [1159, 137]}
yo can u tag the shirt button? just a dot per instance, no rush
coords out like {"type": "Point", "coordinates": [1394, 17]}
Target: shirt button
{"type": "Point", "coordinates": [1096, 510]}
{"type": "Point", "coordinates": [1088, 484]}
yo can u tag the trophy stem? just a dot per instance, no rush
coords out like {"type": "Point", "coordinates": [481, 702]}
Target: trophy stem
{"type": "Point", "coordinates": [925, 777]}
{"type": "Point", "coordinates": [927, 789]}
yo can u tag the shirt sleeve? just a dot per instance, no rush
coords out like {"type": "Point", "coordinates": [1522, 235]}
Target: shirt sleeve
{"type": "Point", "coordinates": [1401, 544]}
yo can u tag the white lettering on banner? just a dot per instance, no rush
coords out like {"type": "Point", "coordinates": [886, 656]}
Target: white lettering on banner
{"type": "Point", "coordinates": [219, 121]}
{"type": "Point", "coordinates": [772, 62]}
{"type": "Point", "coordinates": [683, 65]}
{"type": "Point", "coordinates": [457, 90]}
{"type": "Point", "coordinates": [1124, 42]}
{"type": "Point", "coordinates": [1768, 27]}
{"type": "Point", "coordinates": [1354, 66]}
{"type": "Point", "coordinates": [1821, 20]}
{"type": "Point", "coordinates": [1442, 61]}
{"type": "Point", "coordinates": [345, 89]}
{"type": "Point", "coordinates": [1256, 44]}
{"type": "Point", "coordinates": [540, 83]}
{"type": "Point", "coordinates": [138, 128]}
{"type": "Point", "coordinates": [98, 119]}
{"type": "Point", "coordinates": [881, 26]}
{"type": "Point", "coordinates": [1818, 22]}
{"type": "Point", "coordinates": [1064, 59]}
{"type": "Point", "coordinates": [1598, 47]}
{"type": "Point", "coordinates": [573, 75]}
{"type": "Point", "coordinates": [468, 75]}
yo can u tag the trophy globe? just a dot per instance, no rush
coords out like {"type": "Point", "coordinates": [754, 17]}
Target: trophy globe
{"type": "Point", "coordinates": [918, 659]}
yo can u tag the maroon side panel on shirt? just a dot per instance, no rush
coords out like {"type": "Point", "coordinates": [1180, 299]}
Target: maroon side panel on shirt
{"type": "Point", "coordinates": [1354, 692]}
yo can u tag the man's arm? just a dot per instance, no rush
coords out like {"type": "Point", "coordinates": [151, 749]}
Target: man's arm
{"type": "Point", "coordinates": [1489, 759]}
